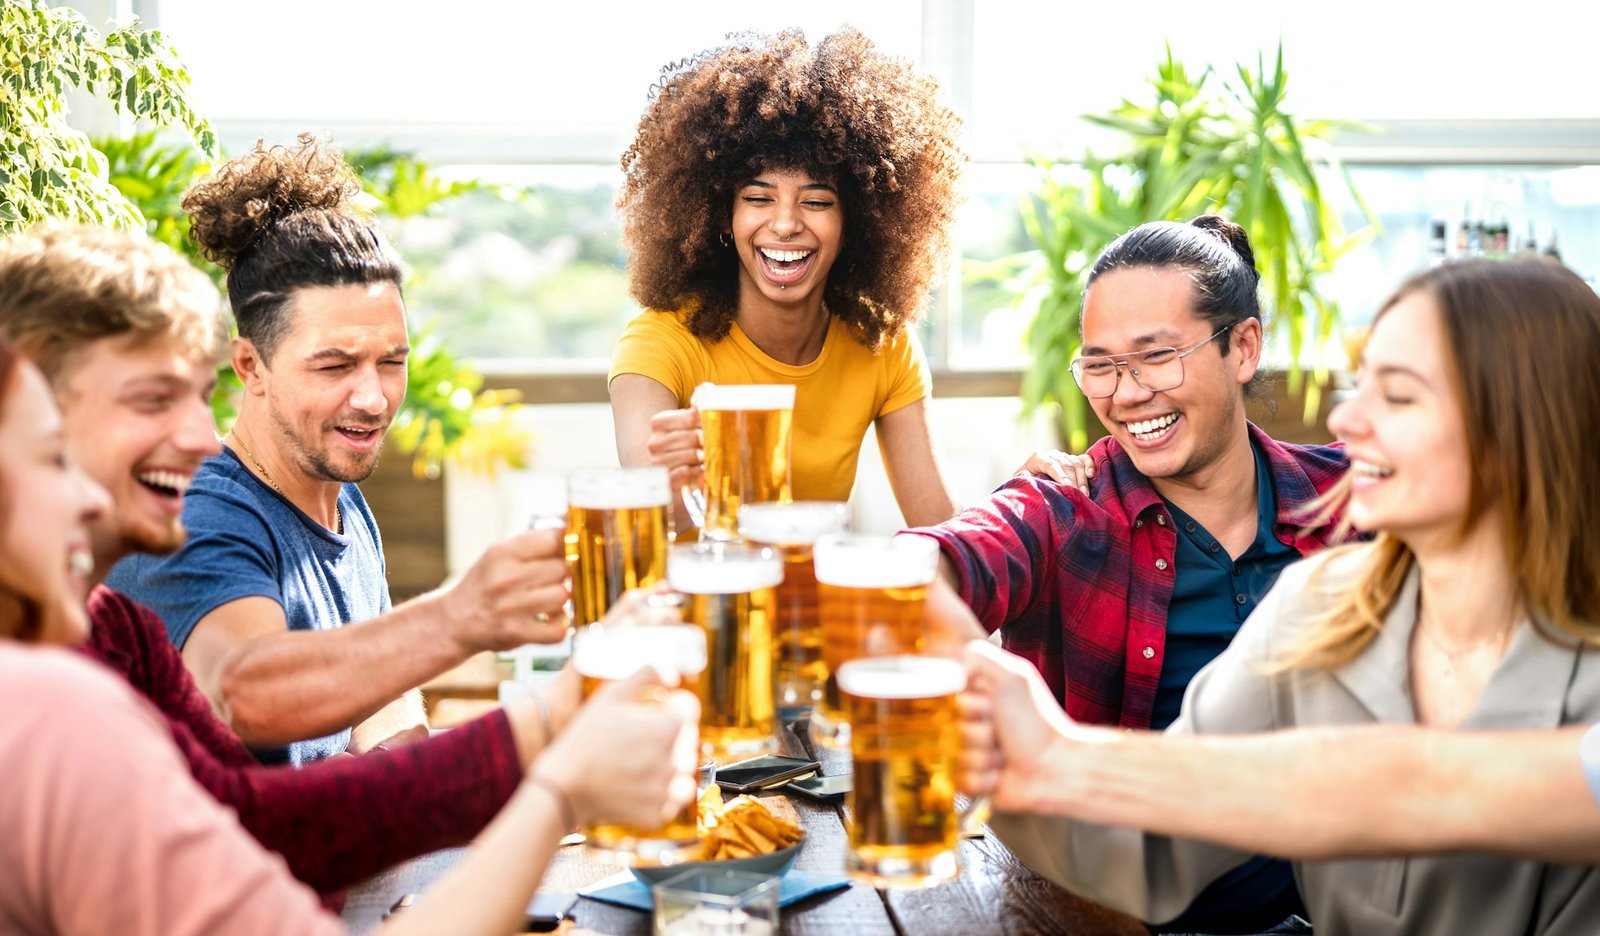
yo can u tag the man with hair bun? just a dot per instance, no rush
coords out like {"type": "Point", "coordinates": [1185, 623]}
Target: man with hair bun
{"type": "Point", "coordinates": [1120, 595]}
{"type": "Point", "coordinates": [279, 600]}
{"type": "Point", "coordinates": [128, 335]}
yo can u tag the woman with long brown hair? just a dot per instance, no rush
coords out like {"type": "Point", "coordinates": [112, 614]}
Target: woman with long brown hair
{"type": "Point", "coordinates": [1475, 605]}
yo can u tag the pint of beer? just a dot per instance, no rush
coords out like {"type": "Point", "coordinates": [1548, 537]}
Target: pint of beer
{"type": "Point", "coordinates": [790, 530]}
{"type": "Point", "coordinates": [871, 591]}
{"type": "Point", "coordinates": [746, 429]}
{"type": "Point", "coordinates": [729, 592]}
{"type": "Point", "coordinates": [602, 654]}
{"type": "Point", "coordinates": [905, 734]}
{"type": "Point", "coordinates": [616, 535]}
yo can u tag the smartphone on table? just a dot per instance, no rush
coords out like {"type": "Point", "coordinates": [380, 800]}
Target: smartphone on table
{"type": "Point", "coordinates": [764, 772]}
{"type": "Point", "coordinates": [827, 790]}
{"type": "Point", "coordinates": [546, 911]}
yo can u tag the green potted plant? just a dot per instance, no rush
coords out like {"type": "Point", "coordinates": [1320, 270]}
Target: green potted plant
{"type": "Point", "coordinates": [1197, 145]}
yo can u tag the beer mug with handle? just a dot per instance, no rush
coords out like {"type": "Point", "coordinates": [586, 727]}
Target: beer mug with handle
{"type": "Point", "coordinates": [727, 591]}
{"type": "Point", "coordinates": [871, 592]}
{"type": "Point", "coordinates": [791, 530]}
{"type": "Point", "coordinates": [746, 428]}
{"type": "Point", "coordinates": [616, 535]}
{"type": "Point", "coordinates": [905, 830]}
{"type": "Point", "coordinates": [603, 653]}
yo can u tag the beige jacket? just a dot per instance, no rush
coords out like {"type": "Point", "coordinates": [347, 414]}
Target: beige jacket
{"type": "Point", "coordinates": [1542, 682]}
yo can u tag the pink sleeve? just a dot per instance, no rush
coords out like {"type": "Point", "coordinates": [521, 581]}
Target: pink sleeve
{"type": "Point", "coordinates": [103, 830]}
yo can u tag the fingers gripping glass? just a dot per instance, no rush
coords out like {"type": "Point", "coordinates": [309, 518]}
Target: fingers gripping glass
{"type": "Point", "coordinates": [1155, 370]}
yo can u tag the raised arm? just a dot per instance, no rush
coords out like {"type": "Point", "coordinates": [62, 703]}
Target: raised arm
{"type": "Point", "coordinates": [909, 456]}
{"type": "Point", "coordinates": [274, 686]}
{"type": "Point", "coordinates": [652, 430]}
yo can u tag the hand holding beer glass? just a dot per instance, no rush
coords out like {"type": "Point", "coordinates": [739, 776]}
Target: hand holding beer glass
{"type": "Point", "coordinates": [905, 734]}
{"type": "Point", "coordinates": [790, 530]}
{"type": "Point", "coordinates": [872, 590]}
{"type": "Point", "coordinates": [616, 536]}
{"type": "Point", "coordinates": [746, 430]}
{"type": "Point", "coordinates": [637, 635]}
{"type": "Point", "coordinates": [728, 594]}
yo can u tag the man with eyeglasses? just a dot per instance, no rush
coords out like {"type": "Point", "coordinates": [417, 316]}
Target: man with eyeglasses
{"type": "Point", "coordinates": [1119, 596]}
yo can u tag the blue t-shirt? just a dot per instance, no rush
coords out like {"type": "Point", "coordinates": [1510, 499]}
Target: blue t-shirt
{"type": "Point", "coordinates": [247, 540]}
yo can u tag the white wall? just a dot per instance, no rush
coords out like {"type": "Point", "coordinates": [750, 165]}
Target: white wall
{"type": "Point", "coordinates": [981, 439]}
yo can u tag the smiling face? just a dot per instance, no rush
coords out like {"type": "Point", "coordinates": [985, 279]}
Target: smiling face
{"type": "Point", "coordinates": [336, 379]}
{"type": "Point", "coordinates": [48, 505]}
{"type": "Point", "coordinates": [139, 421]}
{"type": "Point", "coordinates": [788, 228]}
{"type": "Point", "coordinates": [1180, 432]}
{"type": "Point", "coordinates": [1410, 466]}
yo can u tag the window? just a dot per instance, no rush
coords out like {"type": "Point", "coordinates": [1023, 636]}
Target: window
{"type": "Point", "coordinates": [1480, 118]}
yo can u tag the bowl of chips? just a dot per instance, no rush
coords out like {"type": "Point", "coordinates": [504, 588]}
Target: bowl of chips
{"type": "Point", "coordinates": [741, 834]}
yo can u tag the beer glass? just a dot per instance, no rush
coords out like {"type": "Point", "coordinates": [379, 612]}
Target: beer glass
{"type": "Point", "coordinates": [905, 734]}
{"type": "Point", "coordinates": [746, 429]}
{"type": "Point", "coordinates": [871, 591]}
{"type": "Point", "coordinates": [790, 530]}
{"type": "Point", "coordinates": [616, 535]}
{"type": "Point", "coordinates": [604, 653]}
{"type": "Point", "coordinates": [728, 592]}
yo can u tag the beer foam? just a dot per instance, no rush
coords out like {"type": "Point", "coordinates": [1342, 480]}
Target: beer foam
{"type": "Point", "coordinates": [901, 677]}
{"type": "Point", "coordinates": [708, 569]}
{"type": "Point", "coordinates": [798, 523]}
{"type": "Point", "coordinates": [613, 653]}
{"type": "Point", "coordinates": [709, 396]}
{"type": "Point", "coordinates": [856, 561]}
{"type": "Point", "coordinates": [619, 488]}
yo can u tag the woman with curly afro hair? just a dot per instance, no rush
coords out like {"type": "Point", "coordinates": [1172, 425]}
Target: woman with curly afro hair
{"type": "Point", "coordinates": [786, 209]}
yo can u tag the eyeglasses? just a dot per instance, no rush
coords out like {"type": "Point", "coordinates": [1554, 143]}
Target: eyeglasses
{"type": "Point", "coordinates": [1155, 370]}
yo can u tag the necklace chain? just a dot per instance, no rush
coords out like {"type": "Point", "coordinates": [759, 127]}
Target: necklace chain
{"type": "Point", "coordinates": [1452, 656]}
{"type": "Point", "coordinates": [338, 518]}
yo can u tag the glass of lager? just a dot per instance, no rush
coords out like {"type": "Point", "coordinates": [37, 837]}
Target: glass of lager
{"type": "Point", "coordinates": [871, 591]}
{"type": "Point", "coordinates": [905, 733]}
{"type": "Point", "coordinates": [616, 535]}
{"type": "Point", "coordinates": [746, 429]}
{"type": "Point", "coordinates": [603, 653]}
{"type": "Point", "coordinates": [790, 530]}
{"type": "Point", "coordinates": [729, 592]}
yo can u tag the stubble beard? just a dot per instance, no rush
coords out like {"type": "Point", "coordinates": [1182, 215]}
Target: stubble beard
{"type": "Point", "coordinates": [316, 462]}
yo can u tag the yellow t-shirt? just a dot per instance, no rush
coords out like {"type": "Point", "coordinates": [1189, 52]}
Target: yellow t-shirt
{"type": "Point", "coordinates": [836, 397]}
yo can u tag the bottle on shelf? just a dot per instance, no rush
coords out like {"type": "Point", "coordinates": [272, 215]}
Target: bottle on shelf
{"type": "Point", "coordinates": [1437, 253]}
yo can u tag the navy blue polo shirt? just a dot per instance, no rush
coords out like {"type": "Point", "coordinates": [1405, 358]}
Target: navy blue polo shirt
{"type": "Point", "coordinates": [1213, 593]}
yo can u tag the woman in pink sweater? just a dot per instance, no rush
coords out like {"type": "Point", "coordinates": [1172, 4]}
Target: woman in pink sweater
{"type": "Point", "coordinates": [102, 827]}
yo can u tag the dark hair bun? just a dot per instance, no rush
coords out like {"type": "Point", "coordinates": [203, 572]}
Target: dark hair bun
{"type": "Point", "coordinates": [231, 209]}
{"type": "Point", "coordinates": [1229, 233]}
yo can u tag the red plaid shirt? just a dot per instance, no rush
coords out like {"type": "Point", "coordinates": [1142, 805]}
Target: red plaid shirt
{"type": "Point", "coordinates": [1079, 585]}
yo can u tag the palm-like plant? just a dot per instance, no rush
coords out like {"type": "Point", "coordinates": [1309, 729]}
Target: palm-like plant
{"type": "Point", "coordinates": [1195, 148]}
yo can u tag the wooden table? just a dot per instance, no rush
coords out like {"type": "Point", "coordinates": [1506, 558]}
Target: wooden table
{"type": "Point", "coordinates": [995, 893]}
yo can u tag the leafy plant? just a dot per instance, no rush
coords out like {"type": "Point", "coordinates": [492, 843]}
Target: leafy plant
{"type": "Point", "coordinates": [446, 415]}
{"type": "Point", "coordinates": [49, 169]}
{"type": "Point", "coordinates": [1199, 145]}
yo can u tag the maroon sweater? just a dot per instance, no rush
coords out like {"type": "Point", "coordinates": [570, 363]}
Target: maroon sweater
{"type": "Point", "coordinates": [337, 821]}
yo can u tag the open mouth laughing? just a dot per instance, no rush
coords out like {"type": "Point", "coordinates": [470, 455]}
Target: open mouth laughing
{"type": "Point", "coordinates": [1151, 430]}
{"type": "Point", "coordinates": [1368, 473]}
{"type": "Point", "coordinates": [361, 438]}
{"type": "Point", "coordinates": [163, 483]}
{"type": "Point", "coordinates": [783, 265]}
